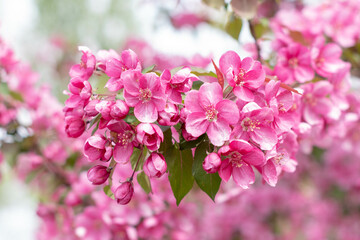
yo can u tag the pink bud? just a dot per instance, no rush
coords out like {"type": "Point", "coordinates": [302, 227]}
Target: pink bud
{"type": "Point", "coordinates": [169, 116]}
{"type": "Point", "coordinates": [90, 108]}
{"type": "Point", "coordinates": [104, 107]}
{"type": "Point", "coordinates": [155, 165]}
{"type": "Point", "coordinates": [94, 148]}
{"type": "Point", "coordinates": [212, 163]}
{"type": "Point", "coordinates": [150, 135]}
{"type": "Point", "coordinates": [124, 193]}
{"type": "Point", "coordinates": [98, 174]}
{"type": "Point", "coordinates": [74, 126]}
{"type": "Point", "coordinates": [187, 136]}
{"type": "Point", "coordinates": [119, 110]}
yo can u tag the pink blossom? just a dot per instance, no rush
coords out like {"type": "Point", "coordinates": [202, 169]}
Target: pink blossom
{"type": "Point", "coordinates": [170, 115]}
{"type": "Point", "coordinates": [150, 135]}
{"type": "Point", "coordinates": [186, 19]}
{"type": "Point", "coordinates": [210, 114]}
{"type": "Point", "coordinates": [85, 69]}
{"type": "Point", "coordinates": [75, 127]}
{"type": "Point", "coordinates": [155, 165]}
{"type": "Point", "coordinates": [241, 156]}
{"type": "Point", "coordinates": [90, 108]}
{"type": "Point", "coordinates": [124, 193]}
{"type": "Point", "coordinates": [116, 67]}
{"type": "Point", "coordinates": [212, 163]}
{"type": "Point", "coordinates": [326, 58]}
{"type": "Point", "coordinates": [294, 64]}
{"type": "Point", "coordinates": [177, 84]}
{"type": "Point", "coordinates": [119, 110]}
{"type": "Point", "coordinates": [78, 86]}
{"type": "Point", "coordinates": [104, 107]}
{"type": "Point", "coordinates": [255, 123]}
{"type": "Point", "coordinates": [95, 148]}
{"type": "Point", "coordinates": [145, 94]}
{"type": "Point", "coordinates": [244, 76]}
{"type": "Point", "coordinates": [123, 136]}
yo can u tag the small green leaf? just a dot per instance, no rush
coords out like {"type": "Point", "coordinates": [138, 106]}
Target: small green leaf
{"type": "Point", "coordinates": [71, 160]}
{"type": "Point", "coordinates": [31, 176]}
{"type": "Point", "coordinates": [233, 26]}
{"type": "Point", "coordinates": [148, 69]}
{"type": "Point", "coordinates": [209, 183]}
{"type": "Point", "coordinates": [108, 192]}
{"type": "Point", "coordinates": [197, 84]}
{"type": "Point", "coordinates": [190, 144]}
{"type": "Point", "coordinates": [95, 128]}
{"type": "Point", "coordinates": [135, 156]}
{"type": "Point", "coordinates": [96, 119]}
{"type": "Point", "coordinates": [179, 165]}
{"type": "Point", "coordinates": [144, 182]}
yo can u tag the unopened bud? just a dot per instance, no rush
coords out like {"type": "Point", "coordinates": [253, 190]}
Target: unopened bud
{"type": "Point", "coordinates": [155, 165]}
{"type": "Point", "coordinates": [212, 163]}
{"type": "Point", "coordinates": [124, 193]}
{"type": "Point", "coordinates": [98, 174]}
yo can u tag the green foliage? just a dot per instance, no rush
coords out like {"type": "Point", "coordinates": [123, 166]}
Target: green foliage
{"type": "Point", "coordinates": [233, 26]}
{"type": "Point", "coordinates": [209, 183]}
{"type": "Point", "coordinates": [148, 69]}
{"type": "Point", "coordinates": [190, 144]}
{"type": "Point", "coordinates": [144, 182]}
{"type": "Point", "coordinates": [138, 153]}
{"type": "Point", "coordinates": [179, 164]}
{"type": "Point", "coordinates": [108, 192]}
{"type": "Point", "coordinates": [71, 160]}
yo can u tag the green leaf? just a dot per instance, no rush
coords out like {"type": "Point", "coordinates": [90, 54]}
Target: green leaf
{"type": "Point", "coordinates": [209, 183]}
{"type": "Point", "coordinates": [144, 182]}
{"type": "Point", "coordinates": [190, 144]}
{"type": "Point", "coordinates": [179, 165]}
{"type": "Point", "coordinates": [175, 70]}
{"type": "Point", "coordinates": [197, 84]}
{"type": "Point", "coordinates": [71, 160]}
{"type": "Point", "coordinates": [96, 119]}
{"type": "Point", "coordinates": [31, 176]}
{"type": "Point", "coordinates": [135, 156]}
{"type": "Point", "coordinates": [108, 192]}
{"type": "Point", "coordinates": [148, 69]}
{"type": "Point", "coordinates": [233, 27]}
{"type": "Point", "coordinates": [95, 128]}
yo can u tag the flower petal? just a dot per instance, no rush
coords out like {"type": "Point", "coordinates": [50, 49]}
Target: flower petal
{"type": "Point", "coordinates": [243, 176]}
{"type": "Point", "coordinates": [196, 124]}
{"type": "Point", "coordinates": [146, 112]}
{"type": "Point", "coordinates": [228, 110]}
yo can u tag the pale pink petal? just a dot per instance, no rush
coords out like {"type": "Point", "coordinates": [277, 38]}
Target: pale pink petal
{"type": "Point", "coordinates": [241, 146]}
{"type": "Point", "coordinates": [228, 110]}
{"type": "Point", "coordinates": [130, 81]}
{"type": "Point", "coordinates": [303, 73]}
{"type": "Point", "coordinates": [255, 157]}
{"type": "Point", "coordinates": [218, 132]}
{"type": "Point", "coordinates": [192, 102]}
{"type": "Point", "coordinates": [247, 63]}
{"type": "Point", "coordinates": [131, 100]}
{"type": "Point", "coordinates": [254, 78]}
{"type": "Point", "coordinates": [196, 124]}
{"type": "Point", "coordinates": [269, 173]}
{"type": "Point", "coordinates": [122, 154]}
{"type": "Point", "coordinates": [330, 51]}
{"type": "Point", "coordinates": [243, 93]}
{"type": "Point", "coordinates": [210, 94]}
{"type": "Point", "coordinates": [229, 60]}
{"type": "Point", "coordinates": [265, 137]}
{"type": "Point", "coordinates": [146, 112]}
{"type": "Point", "coordinates": [243, 176]}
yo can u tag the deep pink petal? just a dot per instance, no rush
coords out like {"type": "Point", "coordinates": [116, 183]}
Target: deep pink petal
{"type": "Point", "coordinates": [247, 63]}
{"type": "Point", "coordinates": [130, 81]}
{"type": "Point", "coordinates": [240, 146]}
{"type": "Point", "coordinates": [225, 170]}
{"type": "Point", "coordinates": [130, 59]}
{"type": "Point", "coordinates": [255, 157]}
{"type": "Point", "coordinates": [229, 60]}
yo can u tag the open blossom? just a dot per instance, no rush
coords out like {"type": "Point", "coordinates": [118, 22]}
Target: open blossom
{"type": "Point", "coordinates": [85, 69]}
{"type": "Point", "coordinates": [294, 64]}
{"type": "Point", "coordinates": [326, 58]}
{"type": "Point", "coordinates": [240, 157]}
{"type": "Point", "coordinates": [116, 67]}
{"type": "Point", "coordinates": [177, 84]}
{"type": "Point", "coordinates": [124, 137]}
{"type": "Point", "coordinates": [145, 94]}
{"type": "Point", "coordinates": [155, 165]}
{"type": "Point", "coordinates": [255, 124]}
{"type": "Point", "coordinates": [210, 113]}
{"type": "Point", "coordinates": [244, 76]}
{"type": "Point", "coordinates": [170, 115]}
{"type": "Point", "coordinates": [150, 135]}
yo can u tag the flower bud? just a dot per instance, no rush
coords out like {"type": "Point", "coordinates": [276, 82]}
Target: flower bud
{"type": "Point", "coordinates": [104, 107]}
{"type": "Point", "coordinates": [124, 193]}
{"type": "Point", "coordinates": [119, 110]}
{"type": "Point", "coordinates": [74, 126]}
{"type": "Point", "coordinates": [98, 174]}
{"type": "Point", "coordinates": [212, 163]}
{"type": "Point", "coordinates": [90, 108]}
{"type": "Point", "coordinates": [169, 116]}
{"type": "Point", "coordinates": [155, 165]}
{"type": "Point", "coordinates": [150, 135]}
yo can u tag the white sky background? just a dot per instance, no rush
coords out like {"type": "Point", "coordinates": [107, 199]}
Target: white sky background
{"type": "Point", "coordinates": [18, 220]}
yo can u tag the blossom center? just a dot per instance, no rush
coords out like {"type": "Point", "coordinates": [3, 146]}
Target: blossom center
{"type": "Point", "coordinates": [239, 79]}
{"type": "Point", "coordinates": [319, 62]}
{"type": "Point", "coordinates": [211, 113]}
{"type": "Point", "coordinates": [125, 138]}
{"type": "Point", "coordinates": [145, 94]}
{"type": "Point", "coordinates": [310, 99]}
{"type": "Point", "coordinates": [235, 159]}
{"type": "Point", "coordinates": [293, 62]}
{"type": "Point", "coordinates": [250, 125]}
